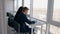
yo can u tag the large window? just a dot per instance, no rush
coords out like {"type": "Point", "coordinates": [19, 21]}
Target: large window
{"type": "Point", "coordinates": [55, 28]}
{"type": "Point", "coordinates": [40, 9]}
{"type": "Point", "coordinates": [17, 4]}
{"type": "Point", "coordinates": [56, 12]}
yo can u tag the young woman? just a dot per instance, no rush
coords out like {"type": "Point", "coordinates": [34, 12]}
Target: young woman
{"type": "Point", "coordinates": [21, 19]}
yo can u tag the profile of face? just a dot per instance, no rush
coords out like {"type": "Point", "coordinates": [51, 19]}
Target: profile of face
{"type": "Point", "coordinates": [26, 12]}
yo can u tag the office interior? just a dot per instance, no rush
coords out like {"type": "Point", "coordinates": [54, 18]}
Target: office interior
{"type": "Point", "coordinates": [45, 12]}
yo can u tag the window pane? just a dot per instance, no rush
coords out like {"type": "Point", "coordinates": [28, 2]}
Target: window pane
{"type": "Point", "coordinates": [17, 4]}
{"type": "Point", "coordinates": [55, 28]}
{"type": "Point", "coordinates": [56, 12]}
{"type": "Point", "coordinates": [40, 9]}
{"type": "Point", "coordinates": [27, 4]}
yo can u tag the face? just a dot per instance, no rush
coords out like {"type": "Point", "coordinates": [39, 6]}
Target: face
{"type": "Point", "coordinates": [26, 11]}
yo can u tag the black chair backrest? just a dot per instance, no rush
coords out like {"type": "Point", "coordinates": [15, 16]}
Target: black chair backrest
{"type": "Point", "coordinates": [11, 22]}
{"type": "Point", "coordinates": [10, 19]}
{"type": "Point", "coordinates": [9, 15]}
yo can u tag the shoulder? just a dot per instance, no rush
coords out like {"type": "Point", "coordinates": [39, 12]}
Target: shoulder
{"type": "Point", "coordinates": [22, 14]}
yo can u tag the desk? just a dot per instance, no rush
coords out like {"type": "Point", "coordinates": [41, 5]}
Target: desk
{"type": "Point", "coordinates": [38, 23]}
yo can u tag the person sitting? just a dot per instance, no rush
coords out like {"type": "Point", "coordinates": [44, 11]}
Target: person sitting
{"type": "Point", "coordinates": [21, 18]}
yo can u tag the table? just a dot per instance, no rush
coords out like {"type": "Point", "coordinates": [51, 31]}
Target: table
{"type": "Point", "coordinates": [38, 23]}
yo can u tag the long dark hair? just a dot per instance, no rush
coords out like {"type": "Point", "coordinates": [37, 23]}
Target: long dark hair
{"type": "Point", "coordinates": [20, 9]}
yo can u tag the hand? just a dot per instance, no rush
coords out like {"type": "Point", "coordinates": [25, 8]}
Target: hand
{"type": "Point", "coordinates": [33, 22]}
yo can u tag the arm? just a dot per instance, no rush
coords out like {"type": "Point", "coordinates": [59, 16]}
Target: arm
{"type": "Point", "coordinates": [28, 21]}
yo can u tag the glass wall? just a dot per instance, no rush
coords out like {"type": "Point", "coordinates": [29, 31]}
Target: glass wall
{"type": "Point", "coordinates": [17, 4]}
{"type": "Point", "coordinates": [55, 27]}
{"type": "Point", "coordinates": [56, 12]}
{"type": "Point", "coordinates": [40, 9]}
{"type": "Point", "coordinates": [40, 12]}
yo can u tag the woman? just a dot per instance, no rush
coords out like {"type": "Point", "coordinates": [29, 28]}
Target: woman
{"type": "Point", "coordinates": [21, 19]}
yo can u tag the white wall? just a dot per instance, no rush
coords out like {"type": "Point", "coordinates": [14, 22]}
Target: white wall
{"type": "Point", "coordinates": [0, 16]}
{"type": "Point", "coordinates": [3, 29]}
{"type": "Point", "coordinates": [9, 5]}
{"type": "Point", "coordinates": [5, 6]}
{"type": "Point", "coordinates": [9, 8]}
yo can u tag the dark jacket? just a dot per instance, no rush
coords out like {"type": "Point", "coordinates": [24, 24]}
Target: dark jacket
{"type": "Point", "coordinates": [21, 19]}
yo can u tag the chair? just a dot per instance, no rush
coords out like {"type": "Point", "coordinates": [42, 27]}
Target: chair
{"type": "Point", "coordinates": [16, 25]}
{"type": "Point", "coordinates": [19, 29]}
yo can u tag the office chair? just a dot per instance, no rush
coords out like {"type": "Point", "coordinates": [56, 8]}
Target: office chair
{"type": "Point", "coordinates": [15, 25]}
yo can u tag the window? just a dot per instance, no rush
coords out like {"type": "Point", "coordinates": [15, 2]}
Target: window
{"type": "Point", "coordinates": [17, 4]}
{"type": "Point", "coordinates": [56, 12]}
{"type": "Point", "coordinates": [55, 29]}
{"type": "Point", "coordinates": [40, 9]}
